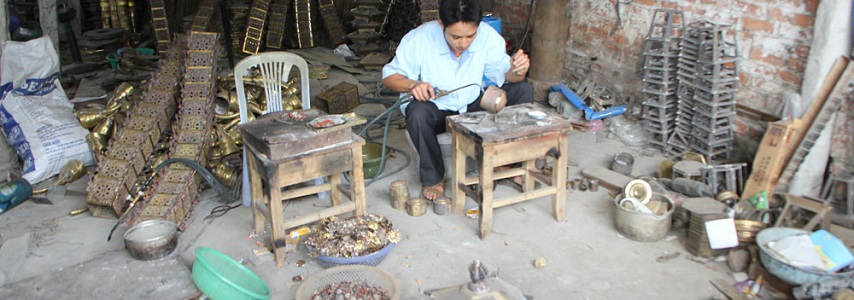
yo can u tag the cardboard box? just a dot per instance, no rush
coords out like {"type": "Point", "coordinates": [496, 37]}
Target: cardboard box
{"type": "Point", "coordinates": [774, 152]}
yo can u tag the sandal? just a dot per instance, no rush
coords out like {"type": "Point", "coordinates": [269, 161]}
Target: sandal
{"type": "Point", "coordinates": [436, 191]}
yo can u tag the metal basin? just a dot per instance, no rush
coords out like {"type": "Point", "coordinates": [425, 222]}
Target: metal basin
{"type": "Point", "coordinates": [786, 272]}
{"type": "Point", "coordinates": [151, 239]}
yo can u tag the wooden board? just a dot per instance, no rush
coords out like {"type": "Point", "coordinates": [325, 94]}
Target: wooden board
{"type": "Point", "coordinates": [609, 179]}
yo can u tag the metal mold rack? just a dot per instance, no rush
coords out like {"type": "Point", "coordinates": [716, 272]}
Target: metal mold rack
{"type": "Point", "coordinates": [715, 87]}
{"type": "Point", "coordinates": [660, 74]}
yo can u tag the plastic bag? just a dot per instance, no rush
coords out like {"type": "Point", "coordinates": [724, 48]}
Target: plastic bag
{"type": "Point", "coordinates": [632, 134]}
{"type": "Point", "coordinates": [37, 117]}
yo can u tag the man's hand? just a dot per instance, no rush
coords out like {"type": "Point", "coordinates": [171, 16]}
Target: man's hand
{"type": "Point", "coordinates": [520, 63]}
{"type": "Point", "coordinates": [422, 91]}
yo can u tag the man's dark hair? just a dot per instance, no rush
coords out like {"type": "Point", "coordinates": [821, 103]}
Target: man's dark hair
{"type": "Point", "coordinates": [453, 11]}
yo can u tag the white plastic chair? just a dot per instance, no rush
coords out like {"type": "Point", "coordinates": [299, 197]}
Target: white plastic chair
{"type": "Point", "coordinates": [275, 68]}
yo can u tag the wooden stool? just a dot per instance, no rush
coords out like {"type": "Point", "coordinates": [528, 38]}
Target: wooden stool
{"type": "Point", "coordinates": [268, 179]}
{"type": "Point", "coordinates": [839, 191]}
{"type": "Point", "coordinates": [510, 137]}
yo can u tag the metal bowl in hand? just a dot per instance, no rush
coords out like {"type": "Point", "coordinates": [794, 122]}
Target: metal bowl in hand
{"type": "Point", "coordinates": [494, 99]}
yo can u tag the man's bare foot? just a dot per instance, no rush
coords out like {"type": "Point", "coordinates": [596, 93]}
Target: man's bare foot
{"type": "Point", "coordinates": [431, 192]}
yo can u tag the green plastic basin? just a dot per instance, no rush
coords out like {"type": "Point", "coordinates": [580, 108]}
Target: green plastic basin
{"type": "Point", "coordinates": [371, 158]}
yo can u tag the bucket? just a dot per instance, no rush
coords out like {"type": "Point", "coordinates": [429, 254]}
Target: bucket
{"type": "Point", "coordinates": [623, 163]}
{"type": "Point", "coordinates": [494, 22]}
{"type": "Point", "coordinates": [114, 60]}
{"type": "Point", "coordinates": [640, 226]}
{"type": "Point", "coordinates": [371, 158]}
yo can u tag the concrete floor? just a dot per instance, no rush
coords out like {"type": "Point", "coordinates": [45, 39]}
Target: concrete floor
{"type": "Point", "coordinates": [586, 257]}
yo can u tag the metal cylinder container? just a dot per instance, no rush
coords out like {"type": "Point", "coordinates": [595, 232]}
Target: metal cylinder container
{"type": "Point", "coordinates": [623, 163]}
{"type": "Point", "coordinates": [416, 206]}
{"type": "Point", "coordinates": [399, 194]}
{"type": "Point", "coordinates": [593, 185]}
{"type": "Point", "coordinates": [442, 206]}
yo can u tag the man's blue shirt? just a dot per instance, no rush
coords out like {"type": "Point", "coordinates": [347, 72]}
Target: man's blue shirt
{"type": "Point", "coordinates": [424, 55]}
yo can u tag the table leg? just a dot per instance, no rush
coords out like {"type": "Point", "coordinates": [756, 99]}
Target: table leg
{"type": "Point", "coordinates": [528, 179]}
{"type": "Point", "coordinates": [559, 177]}
{"type": "Point", "coordinates": [458, 174]}
{"type": "Point", "coordinates": [486, 165]}
{"type": "Point", "coordinates": [357, 182]}
{"type": "Point", "coordinates": [334, 193]}
{"type": "Point", "coordinates": [277, 219]}
{"type": "Point", "coordinates": [256, 194]}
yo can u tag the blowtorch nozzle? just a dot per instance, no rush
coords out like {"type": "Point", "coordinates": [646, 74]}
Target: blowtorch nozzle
{"type": "Point", "coordinates": [442, 93]}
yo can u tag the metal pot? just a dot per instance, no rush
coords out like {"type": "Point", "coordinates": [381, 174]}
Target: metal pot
{"type": "Point", "coordinates": [494, 99]}
{"type": "Point", "coordinates": [151, 239]}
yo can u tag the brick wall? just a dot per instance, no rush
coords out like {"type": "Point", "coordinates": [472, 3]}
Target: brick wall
{"type": "Point", "coordinates": [773, 39]}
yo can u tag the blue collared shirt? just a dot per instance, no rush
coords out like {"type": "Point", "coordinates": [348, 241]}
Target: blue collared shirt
{"type": "Point", "coordinates": [424, 55]}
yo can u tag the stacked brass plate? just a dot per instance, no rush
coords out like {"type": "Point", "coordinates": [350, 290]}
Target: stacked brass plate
{"type": "Point", "coordinates": [276, 24]}
{"type": "Point", "coordinates": [239, 14]}
{"type": "Point", "coordinates": [178, 185]}
{"type": "Point", "coordinates": [698, 240]}
{"type": "Point", "coordinates": [255, 26]}
{"type": "Point", "coordinates": [302, 10]}
{"type": "Point", "coordinates": [318, 72]}
{"type": "Point", "coordinates": [368, 20]}
{"type": "Point", "coordinates": [205, 14]}
{"type": "Point", "coordinates": [105, 13]}
{"type": "Point", "coordinates": [727, 197]}
{"type": "Point", "coordinates": [159, 22]}
{"type": "Point", "coordinates": [331, 21]}
{"type": "Point", "coordinates": [125, 158]}
{"type": "Point", "coordinates": [665, 170]}
{"type": "Point", "coordinates": [746, 230]}
{"type": "Point", "coordinates": [429, 10]}
{"type": "Point", "coordinates": [122, 13]}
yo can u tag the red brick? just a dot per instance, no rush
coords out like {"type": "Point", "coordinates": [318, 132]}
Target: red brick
{"type": "Point", "coordinates": [775, 13]}
{"type": "Point", "coordinates": [620, 39]}
{"type": "Point", "coordinates": [811, 6]}
{"type": "Point", "coordinates": [612, 49]}
{"type": "Point", "coordinates": [644, 2]}
{"type": "Point", "coordinates": [598, 32]}
{"type": "Point", "coordinates": [671, 5]}
{"type": "Point", "coordinates": [796, 65]}
{"type": "Point", "coordinates": [738, 126]}
{"type": "Point", "coordinates": [804, 21]}
{"type": "Point", "coordinates": [791, 78]}
{"type": "Point", "coordinates": [750, 9]}
{"type": "Point", "coordinates": [773, 60]}
{"type": "Point", "coordinates": [802, 51]}
{"type": "Point", "coordinates": [757, 24]}
{"type": "Point", "coordinates": [755, 54]}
